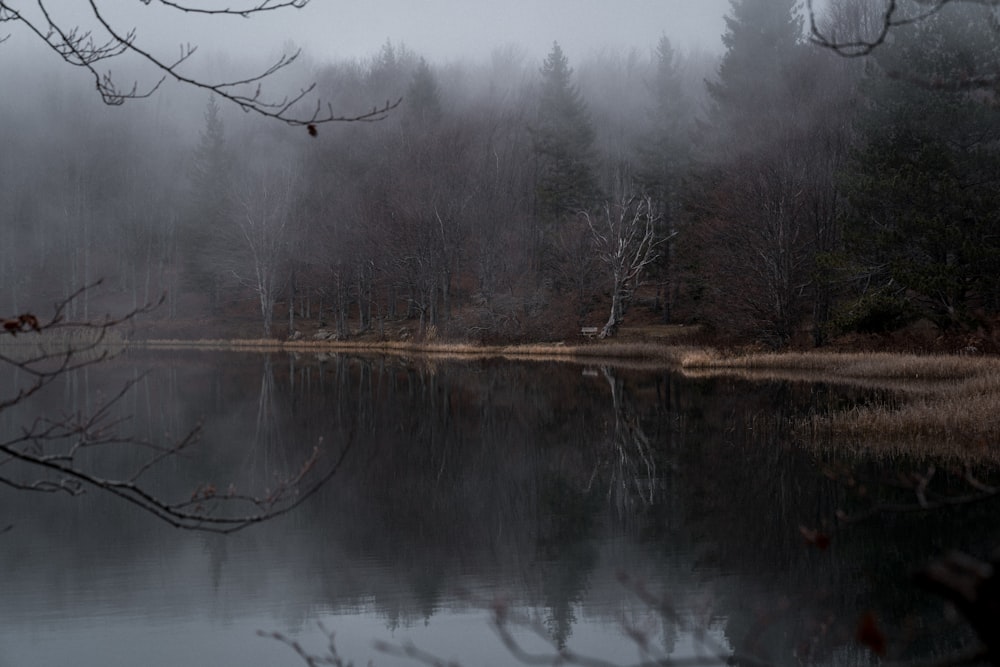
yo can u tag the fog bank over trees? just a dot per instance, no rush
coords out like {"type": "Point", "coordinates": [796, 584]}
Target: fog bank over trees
{"type": "Point", "coordinates": [791, 195]}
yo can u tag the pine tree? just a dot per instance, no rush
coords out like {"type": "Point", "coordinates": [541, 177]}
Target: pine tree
{"type": "Point", "coordinates": [754, 200]}
{"type": "Point", "coordinates": [564, 140]}
{"type": "Point", "coordinates": [423, 100]}
{"type": "Point", "coordinates": [664, 157]}
{"type": "Point", "coordinates": [664, 153]}
{"type": "Point", "coordinates": [210, 167]}
{"type": "Point", "coordinates": [921, 226]}
{"type": "Point", "coordinates": [210, 180]}
{"type": "Point", "coordinates": [756, 82]}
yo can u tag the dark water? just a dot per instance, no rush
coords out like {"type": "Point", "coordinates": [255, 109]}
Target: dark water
{"type": "Point", "coordinates": [609, 507]}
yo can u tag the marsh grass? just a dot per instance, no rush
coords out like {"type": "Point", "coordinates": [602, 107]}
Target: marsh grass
{"type": "Point", "coordinates": [944, 404]}
{"type": "Point", "coordinates": [861, 365]}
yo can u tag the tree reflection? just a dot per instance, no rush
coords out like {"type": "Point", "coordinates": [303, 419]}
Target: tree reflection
{"type": "Point", "coordinates": [631, 465]}
{"type": "Point", "coordinates": [469, 482]}
{"type": "Point", "coordinates": [267, 449]}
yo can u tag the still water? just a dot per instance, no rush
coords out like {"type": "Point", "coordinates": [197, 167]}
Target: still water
{"type": "Point", "coordinates": [619, 514]}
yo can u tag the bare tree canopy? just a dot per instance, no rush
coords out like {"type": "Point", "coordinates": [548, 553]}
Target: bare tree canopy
{"type": "Point", "coordinates": [626, 243]}
{"type": "Point", "coordinates": [94, 48]}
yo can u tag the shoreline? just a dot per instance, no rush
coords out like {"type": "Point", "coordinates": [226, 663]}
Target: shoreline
{"type": "Point", "coordinates": [694, 359]}
{"type": "Point", "coordinates": [950, 403]}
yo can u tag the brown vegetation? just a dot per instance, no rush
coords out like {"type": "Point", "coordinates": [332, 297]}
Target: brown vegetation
{"type": "Point", "coordinates": [947, 404]}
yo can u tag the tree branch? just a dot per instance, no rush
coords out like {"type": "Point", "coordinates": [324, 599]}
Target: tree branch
{"type": "Point", "coordinates": [47, 455]}
{"type": "Point", "coordinates": [80, 48]}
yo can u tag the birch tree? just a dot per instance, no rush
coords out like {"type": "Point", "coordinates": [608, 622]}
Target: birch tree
{"type": "Point", "coordinates": [624, 237]}
{"type": "Point", "coordinates": [264, 216]}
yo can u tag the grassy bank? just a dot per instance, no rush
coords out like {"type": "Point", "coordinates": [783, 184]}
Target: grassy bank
{"type": "Point", "coordinates": [948, 404]}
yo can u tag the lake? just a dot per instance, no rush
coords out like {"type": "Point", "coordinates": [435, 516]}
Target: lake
{"type": "Point", "coordinates": [620, 514]}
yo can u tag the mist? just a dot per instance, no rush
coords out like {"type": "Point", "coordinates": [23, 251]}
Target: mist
{"type": "Point", "coordinates": [468, 208]}
{"type": "Point", "coordinates": [432, 182]}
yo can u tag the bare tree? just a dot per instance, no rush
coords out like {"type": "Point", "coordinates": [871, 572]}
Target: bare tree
{"type": "Point", "coordinates": [624, 237]}
{"type": "Point", "coordinates": [264, 217]}
{"type": "Point", "coordinates": [82, 450]}
{"type": "Point", "coordinates": [630, 463]}
{"type": "Point", "coordinates": [91, 48]}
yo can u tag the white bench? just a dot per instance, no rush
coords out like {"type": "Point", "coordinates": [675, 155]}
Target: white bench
{"type": "Point", "coordinates": [590, 332]}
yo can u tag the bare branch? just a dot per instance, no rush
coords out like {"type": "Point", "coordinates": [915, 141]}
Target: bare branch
{"type": "Point", "coordinates": [80, 48]}
{"type": "Point", "coordinates": [245, 12]}
{"type": "Point", "coordinates": [47, 455]}
{"type": "Point", "coordinates": [626, 242]}
{"type": "Point", "coordinates": [892, 16]}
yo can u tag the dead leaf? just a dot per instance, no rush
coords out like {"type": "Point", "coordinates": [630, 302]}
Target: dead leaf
{"type": "Point", "coordinates": [870, 635]}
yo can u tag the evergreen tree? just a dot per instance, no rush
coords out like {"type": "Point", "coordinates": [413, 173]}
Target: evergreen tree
{"type": "Point", "coordinates": [665, 151]}
{"type": "Point", "coordinates": [210, 166]}
{"type": "Point", "coordinates": [922, 224]}
{"type": "Point", "coordinates": [756, 83]}
{"type": "Point", "coordinates": [760, 197]}
{"type": "Point", "coordinates": [664, 157]}
{"type": "Point", "coordinates": [210, 184]}
{"type": "Point", "coordinates": [423, 100]}
{"type": "Point", "coordinates": [390, 70]}
{"type": "Point", "coordinates": [564, 140]}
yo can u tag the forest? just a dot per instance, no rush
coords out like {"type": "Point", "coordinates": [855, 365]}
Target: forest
{"type": "Point", "coordinates": [781, 193]}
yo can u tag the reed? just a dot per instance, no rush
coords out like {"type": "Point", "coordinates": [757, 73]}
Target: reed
{"type": "Point", "coordinates": [946, 404]}
{"type": "Point", "coordinates": [884, 365]}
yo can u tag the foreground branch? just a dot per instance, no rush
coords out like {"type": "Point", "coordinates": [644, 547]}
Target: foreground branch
{"type": "Point", "coordinates": [85, 49]}
{"type": "Point", "coordinates": [63, 454]}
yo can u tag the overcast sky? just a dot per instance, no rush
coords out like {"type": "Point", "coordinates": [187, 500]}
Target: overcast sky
{"type": "Point", "coordinates": [443, 30]}
{"type": "Point", "coordinates": [440, 30]}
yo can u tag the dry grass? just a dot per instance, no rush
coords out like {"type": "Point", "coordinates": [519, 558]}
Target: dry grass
{"type": "Point", "coordinates": [946, 404]}
{"type": "Point", "coordinates": [959, 419]}
{"type": "Point", "coordinates": [860, 365]}
{"type": "Point", "coordinates": [663, 355]}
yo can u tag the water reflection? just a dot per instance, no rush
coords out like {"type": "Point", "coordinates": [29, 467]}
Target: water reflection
{"type": "Point", "coordinates": [537, 484]}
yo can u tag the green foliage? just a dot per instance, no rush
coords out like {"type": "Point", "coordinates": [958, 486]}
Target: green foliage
{"type": "Point", "coordinates": [877, 311]}
{"type": "Point", "coordinates": [763, 42]}
{"type": "Point", "coordinates": [923, 203]}
{"type": "Point", "coordinates": [422, 99]}
{"type": "Point", "coordinates": [759, 202]}
{"type": "Point", "coordinates": [211, 165]}
{"type": "Point", "coordinates": [664, 155]}
{"type": "Point", "coordinates": [563, 142]}
{"type": "Point", "coordinates": [210, 176]}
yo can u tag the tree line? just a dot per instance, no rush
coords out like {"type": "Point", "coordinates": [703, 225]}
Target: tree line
{"type": "Point", "coordinates": [779, 193]}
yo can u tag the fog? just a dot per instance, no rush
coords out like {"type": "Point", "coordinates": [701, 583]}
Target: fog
{"type": "Point", "coordinates": [511, 133]}
{"type": "Point", "coordinates": [440, 30]}
{"type": "Point", "coordinates": [446, 30]}
{"type": "Point", "coordinates": [497, 174]}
